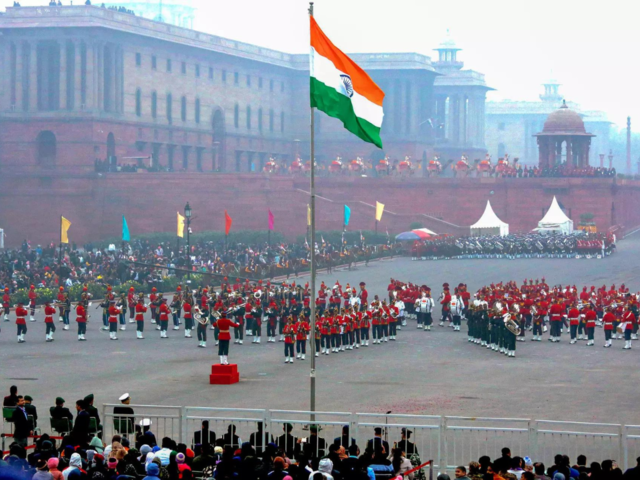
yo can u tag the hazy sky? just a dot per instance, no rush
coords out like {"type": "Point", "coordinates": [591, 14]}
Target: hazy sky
{"type": "Point", "coordinates": [592, 47]}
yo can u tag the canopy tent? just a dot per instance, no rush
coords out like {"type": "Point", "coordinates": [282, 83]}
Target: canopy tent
{"type": "Point", "coordinates": [417, 234]}
{"type": "Point", "coordinates": [555, 220]}
{"type": "Point", "coordinates": [489, 224]}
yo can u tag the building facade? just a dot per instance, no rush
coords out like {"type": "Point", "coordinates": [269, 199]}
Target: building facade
{"type": "Point", "coordinates": [87, 84]}
{"type": "Point", "coordinates": [511, 126]}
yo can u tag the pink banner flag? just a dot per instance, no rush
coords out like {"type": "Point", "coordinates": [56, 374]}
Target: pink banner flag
{"type": "Point", "coordinates": [271, 220]}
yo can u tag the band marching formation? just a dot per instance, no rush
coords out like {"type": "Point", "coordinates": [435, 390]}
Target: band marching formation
{"type": "Point", "coordinates": [497, 315]}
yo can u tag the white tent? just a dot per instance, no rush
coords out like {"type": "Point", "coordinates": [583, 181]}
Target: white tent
{"type": "Point", "coordinates": [555, 220]}
{"type": "Point", "coordinates": [489, 224]}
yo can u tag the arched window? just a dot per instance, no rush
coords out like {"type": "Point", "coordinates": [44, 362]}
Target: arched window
{"type": "Point", "coordinates": [236, 115]}
{"type": "Point", "coordinates": [260, 119]}
{"type": "Point", "coordinates": [47, 147]}
{"type": "Point", "coordinates": [183, 109]}
{"type": "Point", "coordinates": [154, 104]}
{"type": "Point", "coordinates": [197, 110]}
{"type": "Point", "coordinates": [169, 107]}
{"type": "Point", "coordinates": [138, 103]}
{"type": "Point", "coordinates": [248, 117]}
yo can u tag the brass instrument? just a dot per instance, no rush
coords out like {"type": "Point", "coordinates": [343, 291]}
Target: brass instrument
{"type": "Point", "coordinates": [511, 324]}
{"type": "Point", "coordinates": [199, 316]}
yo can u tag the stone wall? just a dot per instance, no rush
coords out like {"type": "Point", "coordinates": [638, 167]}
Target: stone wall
{"type": "Point", "coordinates": [32, 204]}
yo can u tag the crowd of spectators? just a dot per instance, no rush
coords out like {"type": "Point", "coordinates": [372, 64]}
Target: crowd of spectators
{"type": "Point", "coordinates": [79, 454]}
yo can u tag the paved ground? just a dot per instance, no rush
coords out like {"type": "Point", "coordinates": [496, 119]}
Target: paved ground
{"type": "Point", "coordinates": [427, 373]}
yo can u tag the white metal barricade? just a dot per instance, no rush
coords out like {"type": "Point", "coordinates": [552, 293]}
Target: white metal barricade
{"type": "Point", "coordinates": [595, 440]}
{"type": "Point", "coordinates": [469, 438]}
{"type": "Point", "coordinates": [166, 421]}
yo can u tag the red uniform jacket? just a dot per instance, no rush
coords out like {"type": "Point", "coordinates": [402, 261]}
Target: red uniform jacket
{"type": "Point", "coordinates": [32, 297]}
{"type": "Point", "coordinates": [164, 312]}
{"type": "Point", "coordinates": [289, 331]}
{"type": "Point", "coordinates": [608, 320]}
{"type": "Point", "coordinates": [187, 310]}
{"type": "Point", "coordinates": [140, 311]}
{"type": "Point", "coordinates": [590, 316]}
{"type": "Point", "coordinates": [303, 330]}
{"type": "Point", "coordinates": [574, 316]}
{"type": "Point", "coordinates": [81, 314]}
{"type": "Point", "coordinates": [555, 312]}
{"type": "Point", "coordinates": [6, 300]}
{"type": "Point", "coordinates": [630, 318]}
{"type": "Point", "coordinates": [21, 312]}
{"type": "Point", "coordinates": [113, 314]}
{"type": "Point", "coordinates": [49, 311]}
{"type": "Point", "coordinates": [224, 324]}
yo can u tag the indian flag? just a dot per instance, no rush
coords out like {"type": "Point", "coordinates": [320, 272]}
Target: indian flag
{"type": "Point", "coordinates": [341, 89]}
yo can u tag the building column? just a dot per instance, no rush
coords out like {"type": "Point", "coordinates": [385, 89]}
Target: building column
{"type": "Point", "coordinates": [77, 75]}
{"type": "Point", "coordinates": [452, 132]}
{"type": "Point", "coordinates": [19, 75]}
{"type": "Point", "coordinates": [31, 77]}
{"type": "Point", "coordinates": [64, 104]}
{"type": "Point", "coordinates": [570, 154]}
{"type": "Point", "coordinates": [90, 81]}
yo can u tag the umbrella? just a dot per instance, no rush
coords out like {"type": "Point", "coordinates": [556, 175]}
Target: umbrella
{"type": "Point", "coordinates": [407, 236]}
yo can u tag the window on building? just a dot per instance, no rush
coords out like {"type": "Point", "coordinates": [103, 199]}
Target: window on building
{"type": "Point", "coordinates": [259, 82]}
{"type": "Point", "coordinates": [197, 70]}
{"type": "Point", "coordinates": [281, 86]}
{"type": "Point", "coordinates": [154, 62]}
{"type": "Point", "coordinates": [154, 104]}
{"type": "Point", "coordinates": [210, 73]}
{"type": "Point", "coordinates": [183, 109]}
{"type": "Point", "coordinates": [271, 120]}
{"type": "Point", "coordinates": [224, 76]}
{"type": "Point", "coordinates": [138, 103]}
{"type": "Point", "coordinates": [248, 80]}
{"type": "Point", "coordinates": [236, 116]}
{"type": "Point", "coordinates": [260, 119]}
{"type": "Point", "coordinates": [271, 85]}
{"type": "Point", "coordinates": [501, 126]}
{"type": "Point", "coordinates": [138, 59]}
{"type": "Point", "coordinates": [168, 64]}
{"type": "Point", "coordinates": [169, 108]}
{"type": "Point", "coordinates": [183, 68]}
{"type": "Point", "coordinates": [236, 78]}
{"type": "Point", "coordinates": [248, 117]}
{"type": "Point", "coordinates": [197, 110]}
{"type": "Point", "coordinates": [282, 122]}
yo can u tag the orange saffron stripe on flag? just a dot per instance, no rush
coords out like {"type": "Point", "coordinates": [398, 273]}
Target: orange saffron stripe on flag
{"type": "Point", "coordinates": [362, 82]}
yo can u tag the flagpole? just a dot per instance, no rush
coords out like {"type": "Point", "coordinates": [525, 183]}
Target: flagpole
{"type": "Point", "coordinates": [312, 320]}
{"type": "Point", "coordinates": [60, 256]}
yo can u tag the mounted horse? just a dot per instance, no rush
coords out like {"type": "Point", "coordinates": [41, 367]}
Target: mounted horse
{"type": "Point", "coordinates": [406, 167]}
{"type": "Point", "coordinates": [357, 166]}
{"type": "Point", "coordinates": [462, 167]}
{"type": "Point", "coordinates": [336, 166]}
{"type": "Point", "coordinates": [503, 165]}
{"type": "Point", "coordinates": [271, 166]}
{"type": "Point", "coordinates": [296, 167]}
{"type": "Point", "coordinates": [434, 168]}
{"type": "Point", "coordinates": [485, 168]}
{"type": "Point", "coordinates": [383, 166]}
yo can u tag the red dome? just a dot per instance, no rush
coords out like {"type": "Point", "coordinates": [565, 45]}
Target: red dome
{"type": "Point", "coordinates": [564, 122]}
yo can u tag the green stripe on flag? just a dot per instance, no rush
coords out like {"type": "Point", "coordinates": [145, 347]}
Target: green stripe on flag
{"type": "Point", "coordinates": [339, 106]}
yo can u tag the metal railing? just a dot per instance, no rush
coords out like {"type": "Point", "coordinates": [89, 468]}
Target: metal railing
{"type": "Point", "coordinates": [448, 440]}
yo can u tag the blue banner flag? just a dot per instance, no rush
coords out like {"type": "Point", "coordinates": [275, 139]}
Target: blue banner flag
{"type": "Point", "coordinates": [347, 215]}
{"type": "Point", "coordinates": [125, 230]}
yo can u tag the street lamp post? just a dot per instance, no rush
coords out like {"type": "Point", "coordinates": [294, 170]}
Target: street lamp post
{"type": "Point", "coordinates": [187, 215]}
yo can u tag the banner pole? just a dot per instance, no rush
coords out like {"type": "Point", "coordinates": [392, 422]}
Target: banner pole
{"type": "Point", "coordinates": [312, 320]}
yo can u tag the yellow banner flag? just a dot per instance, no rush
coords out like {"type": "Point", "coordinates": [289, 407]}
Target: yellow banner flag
{"type": "Point", "coordinates": [180, 225]}
{"type": "Point", "coordinates": [308, 215]}
{"type": "Point", "coordinates": [64, 230]}
{"type": "Point", "coordinates": [379, 210]}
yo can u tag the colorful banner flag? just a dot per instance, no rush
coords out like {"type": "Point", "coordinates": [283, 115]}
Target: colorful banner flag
{"type": "Point", "coordinates": [347, 215]}
{"type": "Point", "coordinates": [308, 215]}
{"type": "Point", "coordinates": [180, 225]}
{"type": "Point", "coordinates": [64, 230]}
{"type": "Point", "coordinates": [272, 220]}
{"type": "Point", "coordinates": [343, 90]}
{"type": "Point", "coordinates": [379, 210]}
{"type": "Point", "coordinates": [227, 223]}
{"type": "Point", "coordinates": [125, 230]}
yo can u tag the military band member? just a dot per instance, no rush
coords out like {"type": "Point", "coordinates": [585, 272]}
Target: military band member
{"type": "Point", "coordinates": [590, 317]}
{"type": "Point", "coordinates": [455, 308]}
{"type": "Point", "coordinates": [21, 314]}
{"type": "Point", "coordinates": [445, 301]}
{"type": "Point", "coordinates": [224, 324]}
{"type": "Point", "coordinates": [49, 312]}
{"type": "Point", "coordinates": [114, 313]}
{"type": "Point", "coordinates": [104, 304]}
{"type": "Point", "coordinates": [131, 303]}
{"type": "Point", "coordinates": [574, 321]}
{"type": "Point", "coordinates": [188, 314]}
{"type": "Point", "coordinates": [66, 309]}
{"type": "Point", "coordinates": [325, 333]}
{"type": "Point", "coordinates": [201, 327]}
{"type": "Point", "coordinates": [176, 307]}
{"type": "Point", "coordinates": [607, 320]}
{"type": "Point", "coordinates": [122, 305]}
{"type": "Point", "coordinates": [154, 305]}
{"type": "Point", "coordinates": [6, 304]}
{"type": "Point", "coordinates": [290, 331]}
{"type": "Point", "coordinates": [163, 313]}
{"type": "Point", "coordinates": [60, 305]}
{"type": "Point", "coordinates": [256, 313]}
{"type": "Point", "coordinates": [629, 320]}
{"type": "Point", "coordinates": [556, 313]}
{"type": "Point", "coordinates": [81, 318]}
{"type": "Point", "coordinates": [32, 302]}
{"type": "Point", "coordinates": [302, 332]}
{"type": "Point", "coordinates": [141, 309]}
{"type": "Point", "coordinates": [272, 319]}
{"type": "Point", "coordinates": [365, 326]}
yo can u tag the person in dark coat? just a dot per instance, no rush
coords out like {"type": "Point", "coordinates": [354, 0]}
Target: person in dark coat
{"type": "Point", "coordinates": [80, 432]}
{"type": "Point", "coordinates": [204, 436]}
{"type": "Point", "coordinates": [21, 425]}
{"type": "Point", "coordinates": [11, 400]}
{"type": "Point", "coordinates": [60, 411]}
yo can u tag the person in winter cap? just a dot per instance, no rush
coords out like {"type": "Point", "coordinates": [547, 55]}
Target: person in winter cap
{"type": "Point", "coordinates": [153, 470]}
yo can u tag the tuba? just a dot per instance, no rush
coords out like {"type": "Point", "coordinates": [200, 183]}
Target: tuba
{"type": "Point", "coordinates": [257, 295]}
{"type": "Point", "coordinates": [511, 324]}
{"type": "Point", "coordinates": [199, 317]}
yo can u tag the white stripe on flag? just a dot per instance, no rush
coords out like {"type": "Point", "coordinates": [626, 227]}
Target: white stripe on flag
{"type": "Point", "coordinates": [323, 70]}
